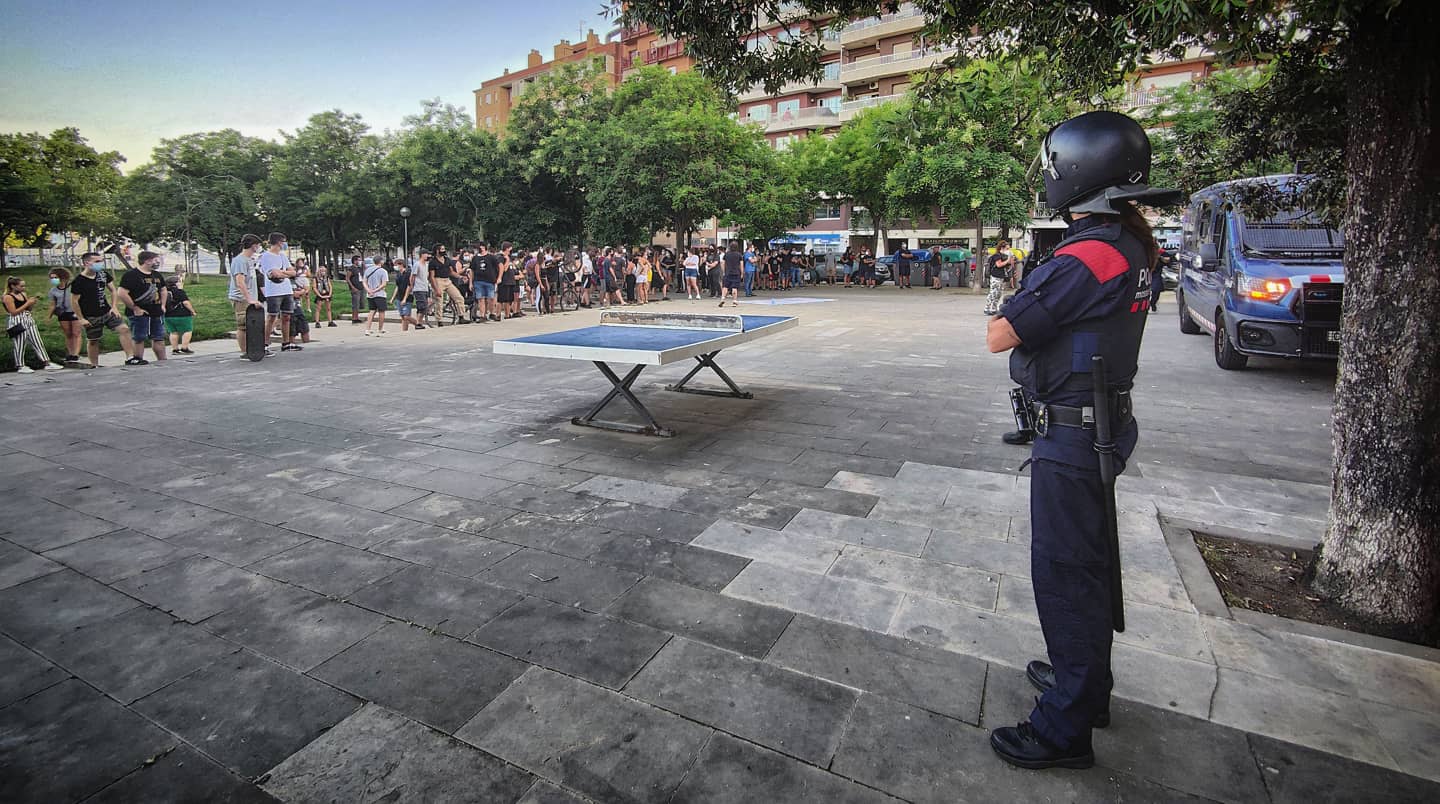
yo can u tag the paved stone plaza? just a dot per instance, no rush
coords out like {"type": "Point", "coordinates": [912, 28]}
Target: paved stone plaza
{"type": "Point", "coordinates": [391, 570]}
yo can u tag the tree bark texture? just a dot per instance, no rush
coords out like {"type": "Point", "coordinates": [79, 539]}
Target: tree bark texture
{"type": "Point", "coordinates": [1381, 556]}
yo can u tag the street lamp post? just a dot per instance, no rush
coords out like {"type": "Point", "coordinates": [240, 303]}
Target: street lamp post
{"type": "Point", "coordinates": [405, 219]}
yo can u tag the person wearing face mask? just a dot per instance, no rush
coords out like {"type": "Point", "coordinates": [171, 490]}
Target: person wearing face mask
{"type": "Point", "coordinates": [89, 297]}
{"type": "Point", "coordinates": [64, 313]}
{"type": "Point", "coordinates": [142, 290]}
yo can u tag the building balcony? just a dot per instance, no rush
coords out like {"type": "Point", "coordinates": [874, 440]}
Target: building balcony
{"type": "Point", "coordinates": [827, 83]}
{"type": "Point", "coordinates": [850, 108]}
{"type": "Point", "coordinates": [813, 117]}
{"type": "Point", "coordinates": [866, 31]}
{"type": "Point", "coordinates": [875, 67]}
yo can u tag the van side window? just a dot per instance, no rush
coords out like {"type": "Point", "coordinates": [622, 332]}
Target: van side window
{"type": "Point", "coordinates": [1221, 231]}
{"type": "Point", "coordinates": [1202, 223]}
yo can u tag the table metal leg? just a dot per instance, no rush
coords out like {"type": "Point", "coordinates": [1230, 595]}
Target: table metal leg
{"type": "Point", "coordinates": [704, 361]}
{"type": "Point", "coordinates": [621, 387]}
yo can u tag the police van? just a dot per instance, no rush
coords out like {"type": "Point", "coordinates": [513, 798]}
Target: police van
{"type": "Point", "coordinates": [1270, 288]}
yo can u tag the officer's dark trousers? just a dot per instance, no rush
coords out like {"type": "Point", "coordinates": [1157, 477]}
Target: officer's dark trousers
{"type": "Point", "coordinates": [1068, 567]}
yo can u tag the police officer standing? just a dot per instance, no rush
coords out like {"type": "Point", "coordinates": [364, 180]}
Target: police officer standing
{"type": "Point", "coordinates": [1084, 302]}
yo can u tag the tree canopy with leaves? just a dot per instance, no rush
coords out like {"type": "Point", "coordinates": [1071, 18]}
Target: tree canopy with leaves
{"type": "Point", "coordinates": [1362, 70]}
{"type": "Point", "coordinates": [55, 183]}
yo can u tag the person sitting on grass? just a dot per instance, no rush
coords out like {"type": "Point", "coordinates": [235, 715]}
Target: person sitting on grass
{"type": "Point", "coordinates": [179, 315]}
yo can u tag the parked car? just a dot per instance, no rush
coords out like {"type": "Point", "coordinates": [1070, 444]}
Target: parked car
{"type": "Point", "coordinates": [1268, 287]}
{"type": "Point", "coordinates": [1170, 267]}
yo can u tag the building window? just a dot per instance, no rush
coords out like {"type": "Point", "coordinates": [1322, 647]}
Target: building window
{"type": "Point", "coordinates": [784, 142]}
{"type": "Point", "coordinates": [787, 106]}
{"type": "Point", "coordinates": [832, 71]}
{"type": "Point", "coordinates": [828, 211]}
{"type": "Point", "coordinates": [833, 104]}
{"type": "Point", "coordinates": [759, 113]}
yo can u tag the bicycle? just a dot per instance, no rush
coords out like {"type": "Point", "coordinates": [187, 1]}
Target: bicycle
{"type": "Point", "coordinates": [451, 311]}
{"type": "Point", "coordinates": [568, 300]}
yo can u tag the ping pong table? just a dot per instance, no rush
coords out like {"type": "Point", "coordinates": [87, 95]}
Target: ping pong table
{"type": "Point", "coordinates": [649, 339]}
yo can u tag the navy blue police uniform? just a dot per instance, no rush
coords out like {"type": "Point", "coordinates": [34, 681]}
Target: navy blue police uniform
{"type": "Point", "coordinates": [1089, 299]}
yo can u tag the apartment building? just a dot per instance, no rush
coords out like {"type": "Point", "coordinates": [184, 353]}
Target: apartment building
{"type": "Point", "coordinates": [496, 97]}
{"type": "Point", "coordinates": [643, 47]}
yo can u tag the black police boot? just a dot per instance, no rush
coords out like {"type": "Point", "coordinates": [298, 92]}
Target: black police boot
{"type": "Point", "coordinates": [1042, 676]}
{"type": "Point", "coordinates": [1022, 747]}
{"type": "Point", "coordinates": [1018, 437]}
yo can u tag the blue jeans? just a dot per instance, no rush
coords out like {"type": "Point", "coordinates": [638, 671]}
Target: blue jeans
{"type": "Point", "coordinates": [147, 328]}
{"type": "Point", "coordinates": [749, 283]}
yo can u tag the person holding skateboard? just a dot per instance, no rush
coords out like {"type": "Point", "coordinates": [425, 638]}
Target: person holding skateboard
{"type": "Point", "coordinates": [248, 309]}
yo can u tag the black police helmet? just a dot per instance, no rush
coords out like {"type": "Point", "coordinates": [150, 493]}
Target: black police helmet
{"type": "Point", "coordinates": [1097, 161]}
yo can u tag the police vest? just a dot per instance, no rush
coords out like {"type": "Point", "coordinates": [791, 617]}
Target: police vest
{"type": "Point", "coordinates": [1062, 368]}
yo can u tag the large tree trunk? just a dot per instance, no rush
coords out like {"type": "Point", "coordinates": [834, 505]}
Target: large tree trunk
{"type": "Point", "coordinates": [1381, 556]}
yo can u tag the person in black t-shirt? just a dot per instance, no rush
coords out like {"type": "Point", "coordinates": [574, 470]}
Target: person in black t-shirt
{"type": "Point", "coordinates": [486, 267]}
{"type": "Point", "coordinates": [867, 268]}
{"type": "Point", "coordinates": [734, 274]}
{"type": "Point", "coordinates": [142, 290]}
{"type": "Point", "coordinates": [179, 315]}
{"type": "Point", "coordinates": [1001, 268]}
{"type": "Point", "coordinates": [88, 296]}
{"type": "Point", "coordinates": [355, 279]}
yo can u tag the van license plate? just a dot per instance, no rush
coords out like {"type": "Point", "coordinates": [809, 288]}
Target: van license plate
{"type": "Point", "coordinates": [1333, 336]}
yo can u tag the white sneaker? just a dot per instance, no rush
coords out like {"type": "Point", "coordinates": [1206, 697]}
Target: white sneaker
{"type": "Point", "coordinates": [368, 333]}
{"type": "Point", "coordinates": [54, 367]}
{"type": "Point", "coordinates": [25, 370]}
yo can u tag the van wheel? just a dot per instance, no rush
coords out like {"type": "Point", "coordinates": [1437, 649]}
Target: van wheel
{"type": "Point", "coordinates": [1187, 324]}
{"type": "Point", "coordinates": [1225, 355]}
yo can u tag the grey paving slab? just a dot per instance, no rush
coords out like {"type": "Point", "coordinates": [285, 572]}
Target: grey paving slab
{"type": "Point", "coordinates": [568, 581]}
{"type": "Point", "coordinates": [594, 647]}
{"type": "Point", "coordinates": [608, 746]}
{"type": "Point", "coordinates": [18, 565]}
{"type": "Point", "coordinates": [853, 602]}
{"type": "Point", "coordinates": [345, 524]}
{"type": "Point", "coordinates": [646, 520]}
{"type": "Point", "coordinates": [967, 630]}
{"type": "Point", "coordinates": [939, 680]}
{"type": "Point", "coordinates": [537, 453]}
{"type": "Point", "coordinates": [456, 513]}
{"type": "Point", "coordinates": [789, 712]}
{"type": "Point", "coordinates": [550, 534]}
{"type": "Point", "coordinates": [1295, 774]}
{"type": "Point", "coordinates": [705, 503]}
{"type": "Point", "coordinates": [768, 470]}
{"type": "Point", "coordinates": [822, 460]}
{"type": "Point", "coordinates": [971, 587]}
{"type": "Point", "coordinates": [623, 489]}
{"type": "Point", "coordinates": [378, 756]}
{"type": "Point", "coordinates": [182, 776]}
{"type": "Point", "coordinates": [248, 713]}
{"type": "Point", "coordinates": [328, 568]}
{"type": "Point", "coordinates": [924, 757]}
{"type": "Point", "coordinates": [893, 536]}
{"type": "Point", "coordinates": [463, 461]}
{"type": "Point", "coordinates": [447, 603]}
{"type": "Point", "coordinates": [69, 741]}
{"type": "Point", "coordinates": [733, 770]}
{"type": "Point", "coordinates": [832, 500]}
{"type": "Point", "coordinates": [435, 679]}
{"type": "Point", "coordinates": [117, 555]}
{"type": "Point", "coordinates": [161, 516]}
{"type": "Point", "coordinates": [295, 626]}
{"type": "Point", "coordinates": [26, 672]}
{"type": "Point", "coordinates": [461, 484]}
{"type": "Point", "coordinates": [1412, 738]}
{"type": "Point", "coordinates": [983, 545]}
{"type": "Point", "coordinates": [543, 792]}
{"type": "Point", "coordinates": [1179, 752]}
{"type": "Point", "coordinates": [38, 524]}
{"type": "Point", "coordinates": [539, 474]}
{"type": "Point", "coordinates": [458, 553]}
{"type": "Point", "coordinates": [375, 495]}
{"type": "Point", "coordinates": [1160, 679]}
{"type": "Point", "coordinates": [197, 587]}
{"type": "Point", "coordinates": [238, 540]}
{"type": "Point", "coordinates": [1297, 714]}
{"type": "Point", "coordinates": [683, 563]}
{"type": "Point", "coordinates": [701, 615]}
{"type": "Point", "coordinates": [781, 548]}
{"type": "Point", "coordinates": [56, 603]}
{"type": "Point", "coordinates": [134, 653]}
{"type": "Point", "coordinates": [557, 503]}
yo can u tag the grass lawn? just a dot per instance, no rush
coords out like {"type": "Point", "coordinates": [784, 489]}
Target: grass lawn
{"type": "Point", "coordinates": [214, 316]}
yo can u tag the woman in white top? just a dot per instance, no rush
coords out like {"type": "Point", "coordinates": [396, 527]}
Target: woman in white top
{"type": "Point", "coordinates": [692, 275]}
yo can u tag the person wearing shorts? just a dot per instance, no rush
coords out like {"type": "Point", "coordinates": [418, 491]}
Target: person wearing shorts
{"type": "Point", "coordinates": [142, 289]}
{"type": "Point", "coordinates": [242, 286]}
{"type": "Point", "coordinates": [733, 277]}
{"type": "Point", "coordinates": [179, 316]}
{"type": "Point", "coordinates": [486, 270]}
{"type": "Point", "coordinates": [277, 271]}
{"type": "Point", "coordinates": [375, 281]}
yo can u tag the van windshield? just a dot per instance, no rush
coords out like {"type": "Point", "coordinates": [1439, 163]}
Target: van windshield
{"type": "Point", "coordinates": [1290, 234]}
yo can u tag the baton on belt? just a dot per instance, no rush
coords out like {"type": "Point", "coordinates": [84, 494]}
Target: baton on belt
{"type": "Point", "coordinates": [1105, 450]}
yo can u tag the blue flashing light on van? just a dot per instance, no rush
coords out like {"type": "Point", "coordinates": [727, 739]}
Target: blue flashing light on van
{"type": "Point", "coordinates": [1269, 288]}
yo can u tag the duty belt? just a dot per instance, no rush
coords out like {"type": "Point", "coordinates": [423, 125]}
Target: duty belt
{"type": "Point", "coordinates": [1047, 415]}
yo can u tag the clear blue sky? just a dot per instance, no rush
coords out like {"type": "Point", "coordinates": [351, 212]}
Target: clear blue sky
{"type": "Point", "coordinates": [130, 72]}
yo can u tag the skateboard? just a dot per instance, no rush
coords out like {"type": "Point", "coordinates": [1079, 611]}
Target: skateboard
{"type": "Point", "coordinates": [256, 336]}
